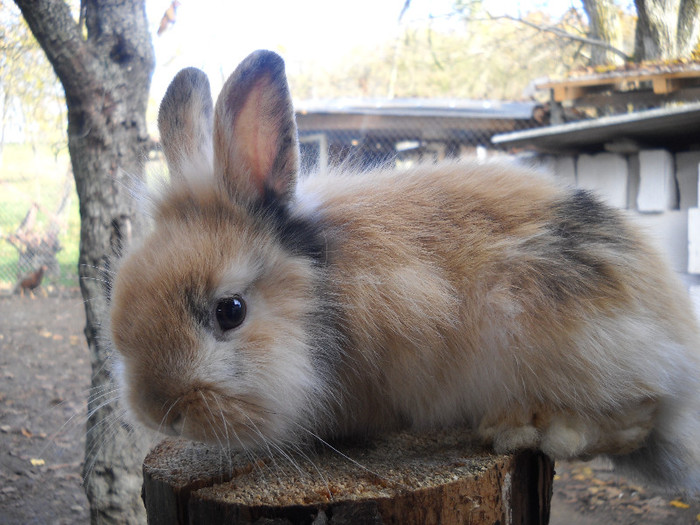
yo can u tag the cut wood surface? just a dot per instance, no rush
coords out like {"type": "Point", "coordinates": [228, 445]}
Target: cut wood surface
{"type": "Point", "coordinates": [402, 478]}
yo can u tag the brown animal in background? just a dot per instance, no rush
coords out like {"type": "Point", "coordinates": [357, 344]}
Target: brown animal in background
{"type": "Point", "coordinates": [31, 281]}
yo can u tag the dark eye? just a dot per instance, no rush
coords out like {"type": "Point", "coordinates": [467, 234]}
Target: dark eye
{"type": "Point", "coordinates": [230, 313]}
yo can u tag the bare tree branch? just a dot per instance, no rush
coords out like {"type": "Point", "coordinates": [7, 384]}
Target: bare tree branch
{"type": "Point", "coordinates": [604, 24]}
{"type": "Point", "coordinates": [563, 34]}
{"type": "Point", "coordinates": [405, 7]}
{"type": "Point", "coordinates": [59, 36]}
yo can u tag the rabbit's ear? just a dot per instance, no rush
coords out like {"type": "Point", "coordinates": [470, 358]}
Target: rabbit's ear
{"type": "Point", "coordinates": [256, 150]}
{"type": "Point", "coordinates": [185, 124]}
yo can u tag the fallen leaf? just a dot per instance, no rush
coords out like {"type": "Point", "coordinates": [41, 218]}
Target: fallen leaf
{"type": "Point", "coordinates": [656, 501]}
{"type": "Point", "coordinates": [678, 504]}
{"type": "Point", "coordinates": [46, 334]}
{"type": "Point", "coordinates": [37, 462]}
{"type": "Point", "coordinates": [26, 433]}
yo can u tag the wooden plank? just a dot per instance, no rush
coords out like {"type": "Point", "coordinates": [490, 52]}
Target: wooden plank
{"type": "Point", "coordinates": [608, 79]}
{"type": "Point", "coordinates": [662, 85]}
{"type": "Point", "coordinates": [641, 99]}
{"type": "Point", "coordinates": [403, 478]}
{"type": "Point", "coordinates": [563, 93]}
{"type": "Point", "coordinates": [665, 85]}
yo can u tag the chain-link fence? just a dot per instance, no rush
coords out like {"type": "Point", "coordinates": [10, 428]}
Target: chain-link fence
{"type": "Point", "coordinates": [401, 132]}
{"type": "Point", "coordinates": [38, 207]}
{"type": "Point", "coordinates": [39, 221]}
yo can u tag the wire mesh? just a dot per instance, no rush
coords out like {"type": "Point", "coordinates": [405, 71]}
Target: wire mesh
{"type": "Point", "coordinates": [355, 134]}
{"type": "Point", "coordinates": [401, 132]}
{"type": "Point", "coordinates": [35, 225]}
{"type": "Point", "coordinates": [38, 219]}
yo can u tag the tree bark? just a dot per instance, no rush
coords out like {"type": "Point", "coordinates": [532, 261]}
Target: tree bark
{"type": "Point", "coordinates": [604, 22]}
{"type": "Point", "coordinates": [106, 78]}
{"type": "Point", "coordinates": [666, 29]}
{"type": "Point", "coordinates": [655, 36]}
{"type": "Point", "coordinates": [688, 27]}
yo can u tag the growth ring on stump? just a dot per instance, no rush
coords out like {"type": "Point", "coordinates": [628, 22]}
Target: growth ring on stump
{"type": "Point", "coordinates": [402, 478]}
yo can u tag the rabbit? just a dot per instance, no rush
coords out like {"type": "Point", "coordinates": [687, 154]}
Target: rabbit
{"type": "Point", "coordinates": [264, 308]}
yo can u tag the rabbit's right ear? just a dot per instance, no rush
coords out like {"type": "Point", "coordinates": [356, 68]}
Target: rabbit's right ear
{"type": "Point", "coordinates": [256, 151]}
{"type": "Point", "coordinates": [185, 123]}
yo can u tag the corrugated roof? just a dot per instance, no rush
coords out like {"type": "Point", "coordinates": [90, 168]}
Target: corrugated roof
{"type": "Point", "coordinates": [412, 107]}
{"type": "Point", "coordinates": [674, 127]}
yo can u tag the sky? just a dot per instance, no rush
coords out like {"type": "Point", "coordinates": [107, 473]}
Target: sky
{"type": "Point", "coordinates": [215, 35]}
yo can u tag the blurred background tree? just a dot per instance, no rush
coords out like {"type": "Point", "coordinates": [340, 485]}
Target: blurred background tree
{"type": "Point", "coordinates": [498, 56]}
{"type": "Point", "coordinates": [32, 107]}
{"type": "Point", "coordinates": [484, 57]}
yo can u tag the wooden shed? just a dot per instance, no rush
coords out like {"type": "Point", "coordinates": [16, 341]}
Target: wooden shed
{"type": "Point", "coordinates": [370, 132]}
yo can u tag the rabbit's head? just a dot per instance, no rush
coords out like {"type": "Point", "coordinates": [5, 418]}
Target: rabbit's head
{"type": "Point", "coordinates": [211, 312]}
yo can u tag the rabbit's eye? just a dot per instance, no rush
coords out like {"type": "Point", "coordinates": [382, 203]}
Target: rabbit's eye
{"type": "Point", "coordinates": [230, 313]}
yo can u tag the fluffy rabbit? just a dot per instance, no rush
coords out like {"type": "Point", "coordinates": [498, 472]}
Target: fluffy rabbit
{"type": "Point", "coordinates": [266, 309]}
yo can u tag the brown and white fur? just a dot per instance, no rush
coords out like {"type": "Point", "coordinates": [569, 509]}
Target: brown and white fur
{"type": "Point", "coordinates": [478, 294]}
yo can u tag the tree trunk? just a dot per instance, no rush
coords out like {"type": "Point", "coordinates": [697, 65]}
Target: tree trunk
{"type": "Point", "coordinates": [106, 78]}
{"type": "Point", "coordinates": [688, 27]}
{"type": "Point", "coordinates": [604, 21]}
{"type": "Point", "coordinates": [405, 478]}
{"type": "Point", "coordinates": [666, 29]}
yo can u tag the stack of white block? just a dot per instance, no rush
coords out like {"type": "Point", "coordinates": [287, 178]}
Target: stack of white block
{"type": "Point", "coordinates": [694, 234]}
{"type": "Point", "coordinates": [663, 190]}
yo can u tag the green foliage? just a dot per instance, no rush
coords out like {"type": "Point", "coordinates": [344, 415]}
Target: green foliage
{"type": "Point", "coordinates": [474, 56]}
{"type": "Point", "coordinates": [35, 174]}
{"type": "Point", "coordinates": [30, 93]}
{"type": "Point", "coordinates": [35, 171]}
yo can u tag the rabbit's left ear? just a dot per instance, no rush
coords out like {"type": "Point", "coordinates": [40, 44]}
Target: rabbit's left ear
{"type": "Point", "coordinates": [256, 149]}
{"type": "Point", "coordinates": [185, 124]}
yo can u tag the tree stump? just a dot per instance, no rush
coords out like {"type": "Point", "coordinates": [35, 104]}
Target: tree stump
{"type": "Point", "coordinates": [402, 478]}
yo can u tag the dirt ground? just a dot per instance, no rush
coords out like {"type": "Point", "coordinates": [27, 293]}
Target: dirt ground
{"type": "Point", "coordinates": [44, 380]}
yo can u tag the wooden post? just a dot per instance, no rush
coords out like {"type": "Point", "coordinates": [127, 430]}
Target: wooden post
{"type": "Point", "coordinates": [402, 479]}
